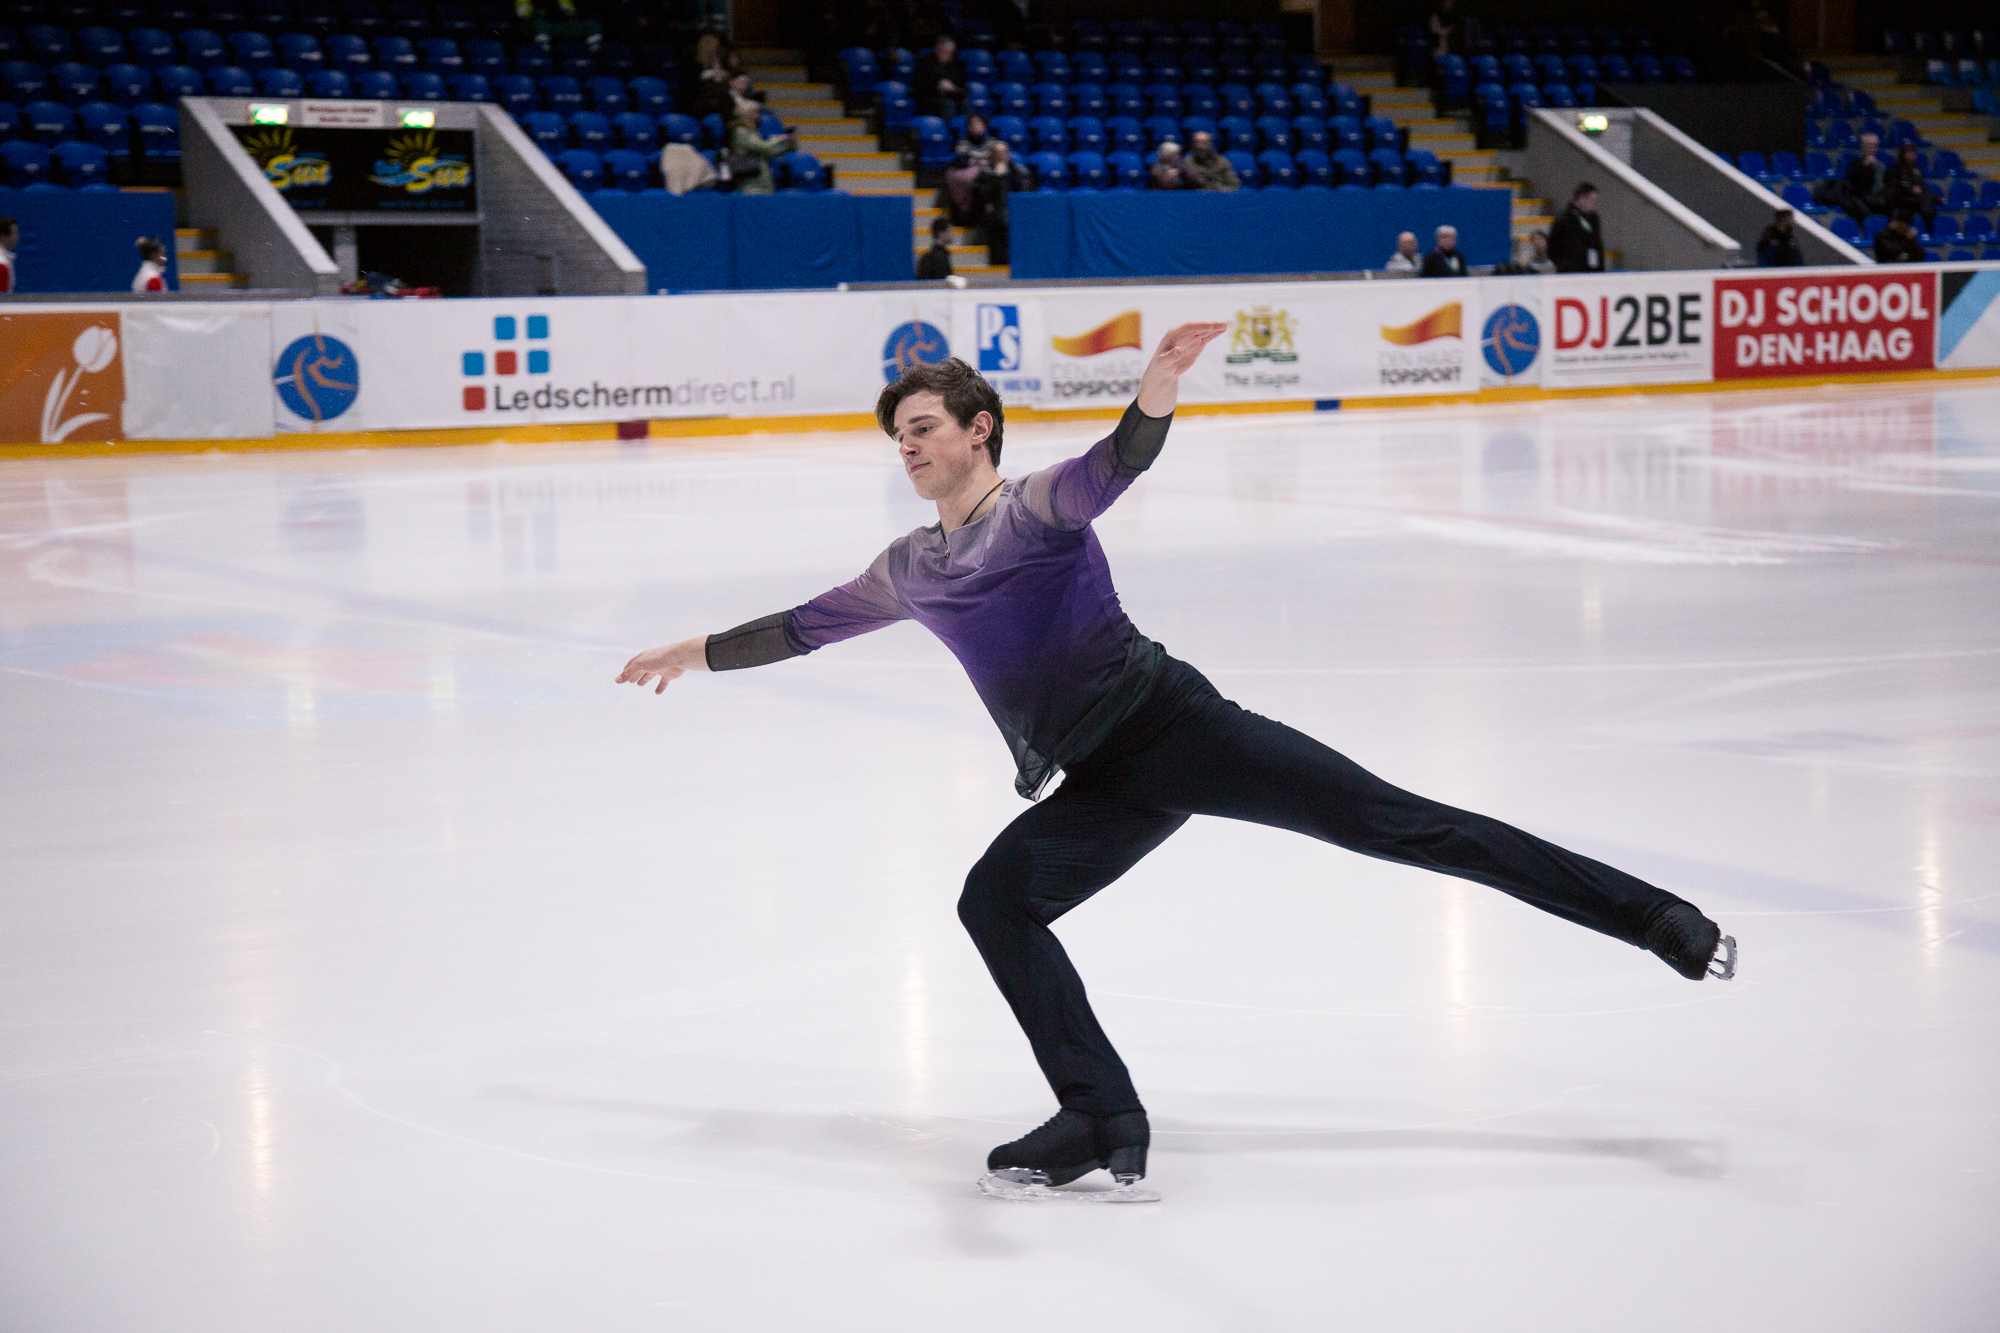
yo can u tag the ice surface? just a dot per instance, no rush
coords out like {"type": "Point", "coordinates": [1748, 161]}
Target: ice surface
{"type": "Point", "coordinates": [1094, 1188]}
{"type": "Point", "coordinates": [369, 961]}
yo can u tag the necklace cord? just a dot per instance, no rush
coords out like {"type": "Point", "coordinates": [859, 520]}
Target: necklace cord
{"type": "Point", "coordinates": [970, 512]}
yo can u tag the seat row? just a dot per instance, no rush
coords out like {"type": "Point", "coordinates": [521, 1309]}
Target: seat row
{"type": "Point", "coordinates": [1824, 133]}
{"type": "Point", "coordinates": [151, 130]}
{"type": "Point", "coordinates": [132, 86]}
{"type": "Point", "coordinates": [315, 16]}
{"type": "Point", "coordinates": [1952, 243]}
{"type": "Point", "coordinates": [1944, 166]}
{"type": "Point", "coordinates": [863, 66]}
{"type": "Point", "coordinates": [1966, 73]}
{"type": "Point", "coordinates": [633, 130]}
{"type": "Point", "coordinates": [897, 107]}
{"type": "Point", "coordinates": [620, 171]}
{"type": "Point", "coordinates": [937, 141]}
{"type": "Point", "coordinates": [1085, 169]}
{"type": "Point", "coordinates": [1950, 45]}
{"type": "Point", "coordinates": [1500, 115]}
{"type": "Point", "coordinates": [1127, 35]}
{"type": "Point", "coordinates": [154, 48]}
{"type": "Point", "coordinates": [73, 165]}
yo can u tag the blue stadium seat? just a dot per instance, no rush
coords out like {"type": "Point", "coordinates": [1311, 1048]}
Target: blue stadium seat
{"type": "Point", "coordinates": [47, 123]}
{"type": "Point", "coordinates": [281, 83]}
{"type": "Point", "coordinates": [896, 106]}
{"type": "Point", "coordinates": [1051, 172]}
{"type": "Point", "coordinates": [608, 95]}
{"type": "Point", "coordinates": [485, 56]}
{"type": "Point", "coordinates": [48, 44]}
{"type": "Point", "coordinates": [1818, 166]}
{"type": "Point", "coordinates": [584, 168]}
{"type": "Point", "coordinates": [1126, 169]}
{"type": "Point", "coordinates": [423, 86]}
{"type": "Point", "coordinates": [364, 17]}
{"type": "Point", "coordinates": [649, 95]}
{"type": "Point", "coordinates": [1273, 132]}
{"type": "Point", "coordinates": [1159, 129]}
{"type": "Point", "coordinates": [637, 132]}
{"type": "Point", "coordinates": [1199, 99]}
{"type": "Point", "coordinates": [516, 94]}
{"type": "Point", "coordinates": [934, 142]}
{"type": "Point", "coordinates": [1051, 99]}
{"type": "Point", "coordinates": [1125, 135]}
{"type": "Point", "coordinates": [549, 131]}
{"type": "Point", "coordinates": [27, 163]}
{"type": "Point", "coordinates": [1164, 99]}
{"type": "Point", "coordinates": [81, 164]}
{"type": "Point", "coordinates": [533, 61]}
{"type": "Point", "coordinates": [471, 88]}
{"type": "Point", "coordinates": [561, 93]}
{"type": "Point", "coordinates": [1383, 132]}
{"type": "Point", "coordinates": [1278, 169]}
{"type": "Point", "coordinates": [100, 46]}
{"type": "Point", "coordinates": [1087, 170]}
{"type": "Point", "coordinates": [375, 85]}
{"type": "Point", "coordinates": [107, 126]}
{"type": "Point", "coordinates": [628, 170]}
{"type": "Point", "coordinates": [300, 52]}
{"type": "Point", "coordinates": [677, 128]}
{"type": "Point", "coordinates": [1558, 95]}
{"type": "Point", "coordinates": [1087, 99]}
{"type": "Point", "coordinates": [1421, 167]}
{"type": "Point", "coordinates": [1126, 100]}
{"type": "Point", "coordinates": [1273, 100]}
{"type": "Point", "coordinates": [75, 82]}
{"type": "Point", "coordinates": [330, 84]}
{"type": "Point", "coordinates": [1314, 167]}
{"type": "Point", "coordinates": [347, 53]}
{"type": "Point", "coordinates": [1014, 130]}
{"type": "Point", "coordinates": [229, 81]}
{"type": "Point", "coordinates": [1979, 228]}
{"type": "Point", "coordinates": [1086, 134]}
{"type": "Point", "coordinates": [159, 133]}
{"type": "Point", "coordinates": [1385, 166]}
{"type": "Point", "coordinates": [202, 48]}
{"type": "Point", "coordinates": [1246, 168]}
{"type": "Point", "coordinates": [252, 51]}
{"type": "Point", "coordinates": [1051, 135]}
{"type": "Point", "coordinates": [1308, 100]}
{"type": "Point", "coordinates": [805, 171]}
{"type": "Point", "coordinates": [149, 47]}
{"type": "Point", "coordinates": [440, 55]}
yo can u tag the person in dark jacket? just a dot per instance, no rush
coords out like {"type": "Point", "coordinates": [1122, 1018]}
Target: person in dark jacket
{"type": "Point", "coordinates": [936, 261]}
{"type": "Point", "coordinates": [1906, 189]}
{"type": "Point", "coordinates": [1444, 261]}
{"type": "Point", "coordinates": [1002, 179]}
{"type": "Point", "coordinates": [939, 83]}
{"type": "Point", "coordinates": [1858, 190]}
{"type": "Point", "coordinates": [1778, 247]}
{"type": "Point", "coordinates": [1897, 243]}
{"type": "Point", "coordinates": [1576, 241]}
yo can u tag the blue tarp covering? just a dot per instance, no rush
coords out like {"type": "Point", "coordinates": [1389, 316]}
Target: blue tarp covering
{"type": "Point", "coordinates": [1130, 234]}
{"type": "Point", "coordinates": [77, 242]}
{"type": "Point", "coordinates": [706, 241]}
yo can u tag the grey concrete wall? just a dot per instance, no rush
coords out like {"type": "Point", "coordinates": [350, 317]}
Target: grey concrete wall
{"type": "Point", "coordinates": [227, 192]}
{"type": "Point", "coordinates": [537, 235]}
{"type": "Point", "coordinates": [1727, 118]}
{"type": "Point", "coordinates": [1726, 197]}
{"type": "Point", "coordinates": [1647, 225]}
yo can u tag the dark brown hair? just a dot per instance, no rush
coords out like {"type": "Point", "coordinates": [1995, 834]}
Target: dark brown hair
{"type": "Point", "coordinates": [966, 394]}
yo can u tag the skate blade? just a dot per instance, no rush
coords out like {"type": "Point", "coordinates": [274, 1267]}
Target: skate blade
{"type": "Point", "coordinates": [1030, 1191]}
{"type": "Point", "coordinates": [1723, 966]}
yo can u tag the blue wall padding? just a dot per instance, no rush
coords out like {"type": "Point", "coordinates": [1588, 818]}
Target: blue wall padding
{"type": "Point", "coordinates": [707, 241]}
{"type": "Point", "coordinates": [77, 242]}
{"type": "Point", "coordinates": [1119, 234]}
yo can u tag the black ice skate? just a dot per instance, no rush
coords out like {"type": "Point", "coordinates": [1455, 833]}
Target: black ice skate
{"type": "Point", "coordinates": [1069, 1146]}
{"type": "Point", "coordinates": [1691, 944]}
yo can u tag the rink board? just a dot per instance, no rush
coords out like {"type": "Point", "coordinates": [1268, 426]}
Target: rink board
{"type": "Point", "coordinates": [537, 367]}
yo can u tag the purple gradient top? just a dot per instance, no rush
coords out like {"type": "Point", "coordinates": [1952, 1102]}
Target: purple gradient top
{"type": "Point", "coordinates": [1022, 597]}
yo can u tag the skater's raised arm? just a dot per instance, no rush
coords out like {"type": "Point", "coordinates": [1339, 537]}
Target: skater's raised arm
{"type": "Point", "coordinates": [867, 603]}
{"type": "Point", "coordinates": [1075, 491]}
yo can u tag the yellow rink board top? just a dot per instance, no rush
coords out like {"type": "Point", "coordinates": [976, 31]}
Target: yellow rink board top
{"type": "Point", "coordinates": [697, 427]}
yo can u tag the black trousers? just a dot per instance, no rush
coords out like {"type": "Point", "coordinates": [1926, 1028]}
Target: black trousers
{"type": "Point", "coordinates": [1188, 751]}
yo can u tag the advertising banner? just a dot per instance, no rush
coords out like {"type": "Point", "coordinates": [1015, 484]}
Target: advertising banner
{"type": "Point", "coordinates": [1825, 323]}
{"type": "Point", "coordinates": [1968, 319]}
{"type": "Point", "coordinates": [360, 170]}
{"type": "Point", "coordinates": [1569, 333]}
{"type": "Point", "coordinates": [63, 376]}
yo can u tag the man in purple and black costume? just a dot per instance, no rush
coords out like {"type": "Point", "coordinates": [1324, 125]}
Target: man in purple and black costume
{"type": "Point", "coordinates": [1014, 582]}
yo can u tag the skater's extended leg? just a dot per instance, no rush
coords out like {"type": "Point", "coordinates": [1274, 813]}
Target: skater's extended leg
{"type": "Point", "coordinates": [1219, 759]}
{"type": "Point", "coordinates": [1044, 863]}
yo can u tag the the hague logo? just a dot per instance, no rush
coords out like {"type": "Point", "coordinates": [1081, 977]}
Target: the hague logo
{"type": "Point", "coordinates": [1261, 334]}
{"type": "Point", "coordinates": [414, 165]}
{"type": "Point", "coordinates": [277, 155]}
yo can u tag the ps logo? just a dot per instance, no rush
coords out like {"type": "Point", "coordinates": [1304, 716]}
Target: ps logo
{"type": "Point", "coordinates": [999, 337]}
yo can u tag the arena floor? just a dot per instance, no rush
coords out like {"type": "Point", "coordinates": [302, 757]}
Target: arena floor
{"type": "Point", "coordinates": [368, 961]}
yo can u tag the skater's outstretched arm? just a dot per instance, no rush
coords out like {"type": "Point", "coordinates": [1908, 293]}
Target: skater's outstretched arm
{"type": "Point", "coordinates": [867, 603]}
{"type": "Point", "coordinates": [1076, 490]}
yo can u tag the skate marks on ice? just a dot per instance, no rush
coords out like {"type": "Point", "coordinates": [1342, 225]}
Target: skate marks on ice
{"type": "Point", "coordinates": [1033, 1187]}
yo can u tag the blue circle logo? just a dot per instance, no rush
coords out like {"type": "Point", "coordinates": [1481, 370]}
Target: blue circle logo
{"type": "Point", "coordinates": [913, 344]}
{"type": "Point", "coordinates": [1510, 340]}
{"type": "Point", "coordinates": [318, 377]}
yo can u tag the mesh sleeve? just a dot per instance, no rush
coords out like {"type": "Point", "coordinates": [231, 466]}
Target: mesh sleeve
{"type": "Point", "coordinates": [757, 643]}
{"type": "Point", "coordinates": [1076, 490]}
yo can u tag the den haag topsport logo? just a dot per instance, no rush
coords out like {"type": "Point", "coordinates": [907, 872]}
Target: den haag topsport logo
{"type": "Point", "coordinates": [1430, 350]}
{"type": "Point", "coordinates": [1810, 325]}
{"type": "Point", "coordinates": [1101, 362]}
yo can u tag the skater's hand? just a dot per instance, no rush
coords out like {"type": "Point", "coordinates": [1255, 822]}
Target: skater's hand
{"type": "Point", "coordinates": [1159, 389]}
{"type": "Point", "coordinates": [666, 664]}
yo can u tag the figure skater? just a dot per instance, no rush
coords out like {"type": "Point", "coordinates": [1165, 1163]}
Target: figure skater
{"type": "Point", "coordinates": [1014, 582]}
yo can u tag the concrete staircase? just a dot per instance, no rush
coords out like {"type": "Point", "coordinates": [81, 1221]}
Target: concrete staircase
{"type": "Point", "coordinates": [203, 267]}
{"type": "Point", "coordinates": [844, 142]}
{"type": "Point", "coordinates": [1450, 138]}
{"type": "Point", "coordinates": [1923, 106]}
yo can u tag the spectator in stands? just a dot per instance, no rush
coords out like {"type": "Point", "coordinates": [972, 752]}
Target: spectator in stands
{"type": "Point", "coordinates": [1208, 169]}
{"type": "Point", "coordinates": [152, 275]}
{"type": "Point", "coordinates": [714, 65]}
{"type": "Point", "coordinates": [936, 261]}
{"type": "Point", "coordinates": [1576, 241]}
{"type": "Point", "coordinates": [939, 85]}
{"type": "Point", "coordinates": [750, 153]}
{"type": "Point", "coordinates": [682, 169]}
{"type": "Point", "coordinates": [1538, 260]}
{"type": "Point", "coordinates": [1444, 260]}
{"type": "Point", "coordinates": [1169, 170]}
{"type": "Point", "coordinates": [1405, 259]}
{"type": "Point", "coordinates": [961, 178]}
{"type": "Point", "coordinates": [1897, 243]}
{"type": "Point", "coordinates": [1778, 246]}
{"type": "Point", "coordinates": [10, 241]}
{"type": "Point", "coordinates": [1859, 192]}
{"type": "Point", "coordinates": [1906, 190]}
{"type": "Point", "coordinates": [741, 90]}
{"type": "Point", "coordinates": [1002, 178]}
{"type": "Point", "coordinates": [1447, 29]}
